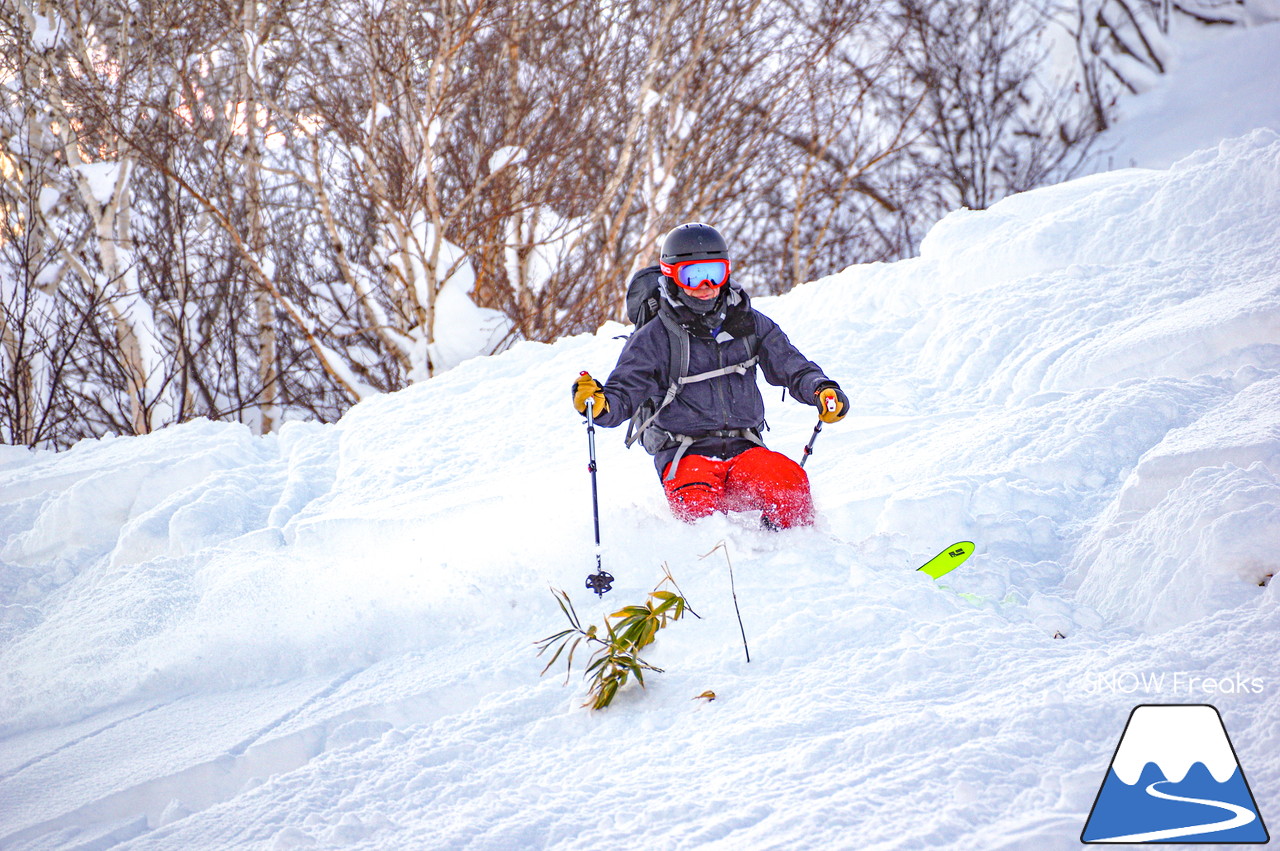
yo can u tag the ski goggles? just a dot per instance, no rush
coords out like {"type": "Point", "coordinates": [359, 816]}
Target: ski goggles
{"type": "Point", "coordinates": [695, 274]}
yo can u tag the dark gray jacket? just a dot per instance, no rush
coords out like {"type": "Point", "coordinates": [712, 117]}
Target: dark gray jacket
{"type": "Point", "coordinates": [723, 403]}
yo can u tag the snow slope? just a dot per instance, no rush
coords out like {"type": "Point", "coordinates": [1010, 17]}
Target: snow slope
{"type": "Point", "coordinates": [324, 638]}
{"type": "Point", "coordinates": [1221, 83]}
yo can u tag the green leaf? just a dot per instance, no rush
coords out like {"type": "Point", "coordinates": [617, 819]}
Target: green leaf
{"type": "Point", "coordinates": [545, 643]}
{"type": "Point", "coordinates": [566, 606]}
{"type": "Point", "coordinates": [573, 648]}
{"type": "Point", "coordinates": [605, 695]}
{"type": "Point", "coordinates": [598, 664]}
{"type": "Point", "coordinates": [553, 658]}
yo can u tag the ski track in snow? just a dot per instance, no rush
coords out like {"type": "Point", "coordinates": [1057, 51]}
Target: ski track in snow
{"type": "Point", "coordinates": [325, 638]}
{"type": "Point", "coordinates": [74, 742]}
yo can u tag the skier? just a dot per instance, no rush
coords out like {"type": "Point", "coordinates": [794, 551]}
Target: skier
{"type": "Point", "coordinates": [702, 422]}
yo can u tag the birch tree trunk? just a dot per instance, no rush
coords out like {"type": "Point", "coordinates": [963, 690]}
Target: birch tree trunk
{"type": "Point", "coordinates": [249, 57]}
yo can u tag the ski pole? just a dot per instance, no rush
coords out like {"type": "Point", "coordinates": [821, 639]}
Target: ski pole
{"type": "Point", "coordinates": [599, 582]}
{"type": "Point", "coordinates": [808, 447]}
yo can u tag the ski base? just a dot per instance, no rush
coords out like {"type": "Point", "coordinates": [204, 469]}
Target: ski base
{"type": "Point", "coordinates": [947, 560]}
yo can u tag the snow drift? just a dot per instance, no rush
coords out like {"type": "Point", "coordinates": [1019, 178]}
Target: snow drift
{"type": "Point", "coordinates": [324, 636]}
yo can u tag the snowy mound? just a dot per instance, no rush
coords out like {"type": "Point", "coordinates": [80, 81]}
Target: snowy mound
{"type": "Point", "coordinates": [1117, 340]}
{"type": "Point", "coordinates": [1084, 380]}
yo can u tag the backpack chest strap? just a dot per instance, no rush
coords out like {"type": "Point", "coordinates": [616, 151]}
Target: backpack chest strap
{"type": "Point", "coordinates": [678, 338]}
{"type": "Point", "coordinates": [734, 369]}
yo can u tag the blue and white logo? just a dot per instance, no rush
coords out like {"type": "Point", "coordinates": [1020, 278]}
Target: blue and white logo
{"type": "Point", "coordinates": [1175, 778]}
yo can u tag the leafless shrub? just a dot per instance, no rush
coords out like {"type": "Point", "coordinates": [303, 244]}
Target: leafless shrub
{"type": "Point", "coordinates": [262, 211]}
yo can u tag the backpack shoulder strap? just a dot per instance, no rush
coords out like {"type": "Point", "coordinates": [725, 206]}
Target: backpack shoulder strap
{"type": "Point", "coordinates": [678, 365]}
{"type": "Point", "coordinates": [678, 337]}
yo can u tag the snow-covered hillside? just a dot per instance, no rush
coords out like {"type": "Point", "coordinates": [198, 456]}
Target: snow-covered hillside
{"type": "Point", "coordinates": [213, 640]}
{"type": "Point", "coordinates": [1219, 84]}
{"type": "Point", "coordinates": [325, 638]}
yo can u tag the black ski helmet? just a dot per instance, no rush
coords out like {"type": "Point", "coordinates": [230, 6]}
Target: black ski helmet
{"type": "Point", "coordinates": [693, 241]}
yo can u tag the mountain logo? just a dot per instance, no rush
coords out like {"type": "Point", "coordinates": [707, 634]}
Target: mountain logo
{"type": "Point", "coordinates": [1175, 778]}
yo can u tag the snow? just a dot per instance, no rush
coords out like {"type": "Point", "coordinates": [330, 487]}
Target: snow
{"type": "Point", "coordinates": [101, 179]}
{"type": "Point", "coordinates": [460, 329]}
{"type": "Point", "coordinates": [46, 32]}
{"type": "Point", "coordinates": [47, 199]}
{"type": "Point", "coordinates": [505, 156]}
{"type": "Point", "coordinates": [532, 251]}
{"type": "Point", "coordinates": [377, 115]}
{"type": "Point", "coordinates": [324, 637]}
{"type": "Point", "coordinates": [463, 329]}
{"type": "Point", "coordinates": [1220, 85]}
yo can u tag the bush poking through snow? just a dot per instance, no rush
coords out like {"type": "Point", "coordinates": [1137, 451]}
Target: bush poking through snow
{"type": "Point", "coordinates": [627, 631]}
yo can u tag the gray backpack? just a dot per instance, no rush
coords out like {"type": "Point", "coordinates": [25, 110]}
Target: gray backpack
{"type": "Point", "coordinates": [644, 302]}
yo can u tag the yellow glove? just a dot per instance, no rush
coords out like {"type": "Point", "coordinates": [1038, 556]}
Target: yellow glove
{"type": "Point", "coordinates": [832, 403]}
{"type": "Point", "coordinates": [586, 388]}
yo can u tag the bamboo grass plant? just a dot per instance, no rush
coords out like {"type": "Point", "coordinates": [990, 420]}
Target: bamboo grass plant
{"type": "Point", "coordinates": [615, 658]}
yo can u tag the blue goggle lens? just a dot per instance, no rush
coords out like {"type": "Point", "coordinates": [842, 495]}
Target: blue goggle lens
{"type": "Point", "coordinates": [711, 272]}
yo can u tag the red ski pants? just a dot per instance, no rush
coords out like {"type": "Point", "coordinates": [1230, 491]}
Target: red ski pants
{"type": "Point", "coordinates": [758, 478]}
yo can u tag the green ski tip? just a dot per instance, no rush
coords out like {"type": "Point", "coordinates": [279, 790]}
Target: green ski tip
{"type": "Point", "coordinates": [948, 560]}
